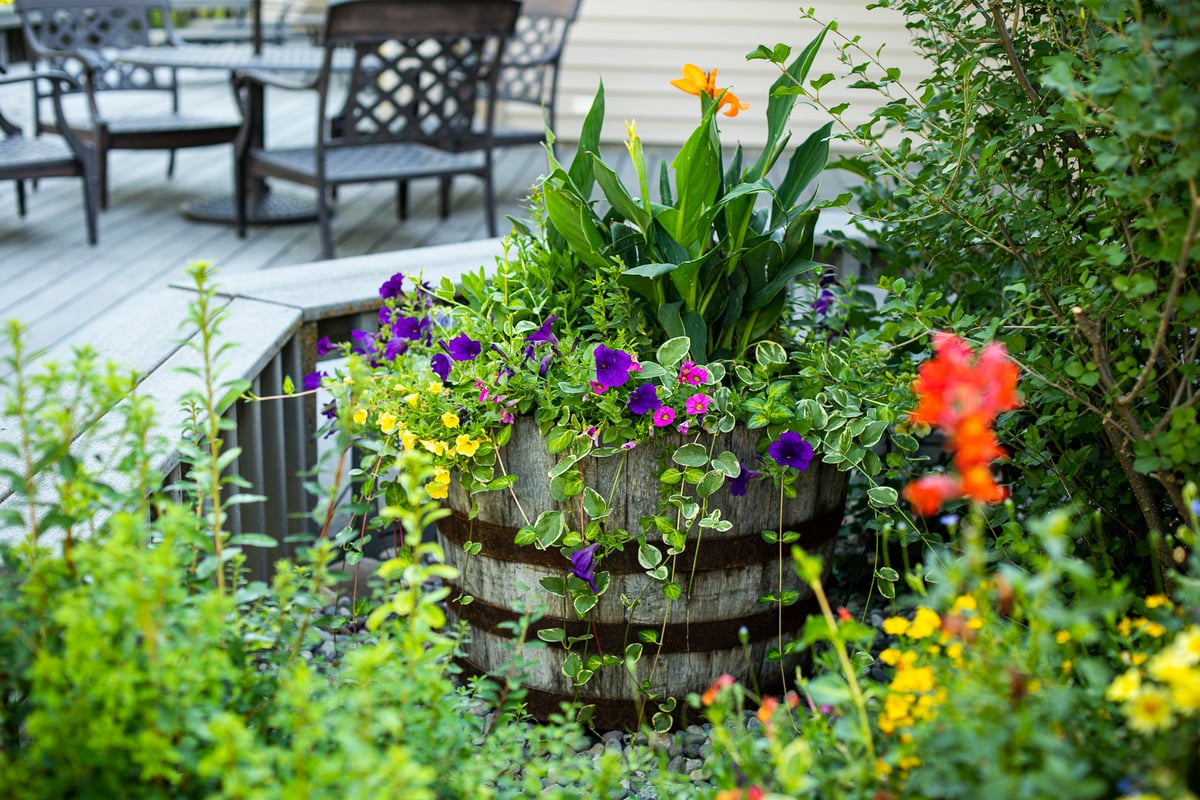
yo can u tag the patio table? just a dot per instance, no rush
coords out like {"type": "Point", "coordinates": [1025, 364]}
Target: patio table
{"type": "Point", "coordinates": [266, 207]}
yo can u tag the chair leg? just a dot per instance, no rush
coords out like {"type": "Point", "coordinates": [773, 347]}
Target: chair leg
{"type": "Point", "coordinates": [89, 208]}
{"type": "Point", "coordinates": [401, 199]}
{"type": "Point", "coordinates": [171, 164]}
{"type": "Point", "coordinates": [489, 203]}
{"type": "Point", "coordinates": [20, 198]}
{"type": "Point", "coordinates": [102, 175]}
{"type": "Point", "coordinates": [444, 196]}
{"type": "Point", "coordinates": [239, 196]}
{"type": "Point", "coordinates": [323, 220]}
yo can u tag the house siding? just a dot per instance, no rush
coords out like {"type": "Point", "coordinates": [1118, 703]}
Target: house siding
{"type": "Point", "coordinates": [637, 47]}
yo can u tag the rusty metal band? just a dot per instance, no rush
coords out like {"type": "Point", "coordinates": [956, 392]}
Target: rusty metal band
{"type": "Point", "coordinates": [697, 636]}
{"type": "Point", "coordinates": [714, 554]}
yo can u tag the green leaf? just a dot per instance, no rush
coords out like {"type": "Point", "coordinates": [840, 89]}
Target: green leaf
{"type": "Point", "coordinates": [671, 352]}
{"type": "Point", "coordinates": [692, 454]}
{"type": "Point", "coordinates": [555, 635]}
{"type": "Point", "coordinates": [618, 196]}
{"type": "Point", "coordinates": [584, 603]}
{"type": "Point", "coordinates": [770, 354]}
{"type": "Point", "coordinates": [554, 585]}
{"type": "Point", "coordinates": [550, 527]}
{"type": "Point", "coordinates": [254, 540]}
{"type": "Point", "coordinates": [649, 556]}
{"type": "Point", "coordinates": [882, 496]}
{"type": "Point", "coordinates": [559, 439]}
{"type": "Point", "coordinates": [594, 504]}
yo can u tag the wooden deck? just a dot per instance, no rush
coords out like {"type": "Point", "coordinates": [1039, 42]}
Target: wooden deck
{"type": "Point", "coordinates": [66, 293]}
{"type": "Point", "coordinates": [60, 288]}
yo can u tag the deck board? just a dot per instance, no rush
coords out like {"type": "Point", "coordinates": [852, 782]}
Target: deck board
{"type": "Point", "coordinates": [60, 288]}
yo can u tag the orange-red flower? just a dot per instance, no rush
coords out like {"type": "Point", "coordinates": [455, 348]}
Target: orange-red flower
{"type": "Point", "coordinates": [710, 694]}
{"type": "Point", "coordinates": [963, 395]}
{"type": "Point", "coordinates": [696, 81]}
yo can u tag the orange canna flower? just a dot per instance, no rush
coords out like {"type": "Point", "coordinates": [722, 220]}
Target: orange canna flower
{"type": "Point", "coordinates": [978, 484]}
{"type": "Point", "coordinates": [696, 81]}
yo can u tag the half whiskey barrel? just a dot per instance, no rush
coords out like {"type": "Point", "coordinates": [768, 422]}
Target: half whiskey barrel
{"type": "Point", "coordinates": [728, 572]}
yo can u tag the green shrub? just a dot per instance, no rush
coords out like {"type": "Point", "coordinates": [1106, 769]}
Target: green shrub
{"type": "Point", "coordinates": [1040, 189]}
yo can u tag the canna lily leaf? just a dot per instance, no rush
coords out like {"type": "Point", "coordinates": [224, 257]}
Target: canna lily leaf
{"type": "Point", "coordinates": [618, 196]}
{"type": "Point", "coordinates": [780, 104]}
{"type": "Point", "coordinates": [805, 164]}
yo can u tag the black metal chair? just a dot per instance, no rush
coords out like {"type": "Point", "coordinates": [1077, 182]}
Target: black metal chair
{"type": "Point", "coordinates": [529, 75]}
{"type": "Point", "coordinates": [79, 37]}
{"type": "Point", "coordinates": [240, 29]}
{"type": "Point", "coordinates": [24, 159]}
{"type": "Point", "coordinates": [423, 78]}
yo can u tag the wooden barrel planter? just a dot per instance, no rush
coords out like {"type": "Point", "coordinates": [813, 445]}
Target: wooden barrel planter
{"type": "Point", "coordinates": [733, 569]}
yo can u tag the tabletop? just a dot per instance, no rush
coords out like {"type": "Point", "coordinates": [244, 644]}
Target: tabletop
{"type": "Point", "coordinates": [292, 57]}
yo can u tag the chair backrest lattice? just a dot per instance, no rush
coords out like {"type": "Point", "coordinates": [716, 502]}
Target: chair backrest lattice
{"type": "Point", "coordinates": [532, 54]}
{"type": "Point", "coordinates": [96, 27]}
{"type": "Point", "coordinates": [420, 67]}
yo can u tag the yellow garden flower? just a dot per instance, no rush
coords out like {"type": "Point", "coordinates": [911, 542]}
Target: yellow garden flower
{"type": "Point", "coordinates": [1124, 686]}
{"type": "Point", "coordinates": [1185, 694]}
{"type": "Point", "coordinates": [925, 623]}
{"type": "Point", "coordinates": [387, 423]}
{"type": "Point", "coordinates": [1157, 600]}
{"type": "Point", "coordinates": [360, 416]}
{"type": "Point", "coordinates": [964, 602]}
{"type": "Point", "coordinates": [450, 419]}
{"type": "Point", "coordinates": [465, 445]}
{"type": "Point", "coordinates": [1188, 643]}
{"type": "Point", "coordinates": [895, 626]}
{"type": "Point", "coordinates": [435, 387]}
{"type": "Point", "coordinates": [437, 491]}
{"type": "Point", "coordinates": [408, 439]}
{"type": "Point", "coordinates": [914, 679]}
{"type": "Point", "coordinates": [412, 399]}
{"type": "Point", "coordinates": [438, 448]}
{"type": "Point", "coordinates": [1149, 710]}
{"type": "Point", "coordinates": [1062, 637]}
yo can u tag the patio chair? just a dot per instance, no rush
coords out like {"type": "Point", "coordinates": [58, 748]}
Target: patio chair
{"type": "Point", "coordinates": [79, 37]}
{"type": "Point", "coordinates": [24, 159]}
{"type": "Point", "coordinates": [529, 75]}
{"type": "Point", "coordinates": [423, 77]}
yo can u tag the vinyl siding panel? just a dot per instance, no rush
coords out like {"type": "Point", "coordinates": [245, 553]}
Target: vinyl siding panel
{"type": "Point", "coordinates": [638, 47]}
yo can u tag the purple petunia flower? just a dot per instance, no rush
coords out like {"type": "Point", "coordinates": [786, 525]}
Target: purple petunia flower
{"type": "Point", "coordinates": [664, 417]}
{"type": "Point", "coordinates": [544, 334]}
{"type": "Point", "coordinates": [644, 399]}
{"type": "Point", "coordinates": [544, 365]}
{"type": "Point", "coordinates": [698, 404]}
{"type": "Point", "coordinates": [737, 486]}
{"type": "Point", "coordinates": [583, 564]}
{"type": "Point", "coordinates": [612, 366]}
{"type": "Point", "coordinates": [330, 410]}
{"type": "Point", "coordinates": [463, 348]}
{"type": "Point", "coordinates": [393, 286]}
{"type": "Point", "coordinates": [364, 343]}
{"type": "Point", "coordinates": [385, 316]}
{"type": "Point", "coordinates": [790, 450]}
{"type": "Point", "coordinates": [410, 328]}
{"type": "Point", "coordinates": [691, 374]}
{"type": "Point", "coordinates": [324, 346]}
{"type": "Point", "coordinates": [440, 364]}
{"type": "Point", "coordinates": [394, 348]}
{"type": "Point", "coordinates": [313, 380]}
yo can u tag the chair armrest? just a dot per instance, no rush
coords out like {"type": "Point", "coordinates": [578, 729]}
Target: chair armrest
{"type": "Point", "coordinates": [48, 74]}
{"type": "Point", "coordinates": [58, 78]}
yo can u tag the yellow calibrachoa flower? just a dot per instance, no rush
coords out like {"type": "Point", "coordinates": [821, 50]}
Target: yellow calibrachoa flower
{"type": "Point", "coordinates": [412, 399]}
{"type": "Point", "coordinates": [1157, 600]}
{"type": "Point", "coordinates": [450, 419]}
{"type": "Point", "coordinates": [1149, 710]}
{"type": "Point", "coordinates": [1062, 637]}
{"type": "Point", "coordinates": [1124, 686]}
{"type": "Point", "coordinates": [465, 445]}
{"type": "Point", "coordinates": [437, 491]}
{"type": "Point", "coordinates": [441, 475]}
{"type": "Point", "coordinates": [435, 387]}
{"type": "Point", "coordinates": [438, 448]}
{"type": "Point", "coordinates": [360, 416]}
{"type": "Point", "coordinates": [895, 626]}
{"type": "Point", "coordinates": [408, 439]}
{"type": "Point", "coordinates": [387, 423]}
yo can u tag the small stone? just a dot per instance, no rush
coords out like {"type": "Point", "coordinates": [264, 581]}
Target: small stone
{"type": "Point", "coordinates": [613, 736]}
{"type": "Point", "coordinates": [692, 764]}
{"type": "Point", "coordinates": [706, 750]}
{"type": "Point", "coordinates": [675, 764]}
{"type": "Point", "coordinates": [698, 776]}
